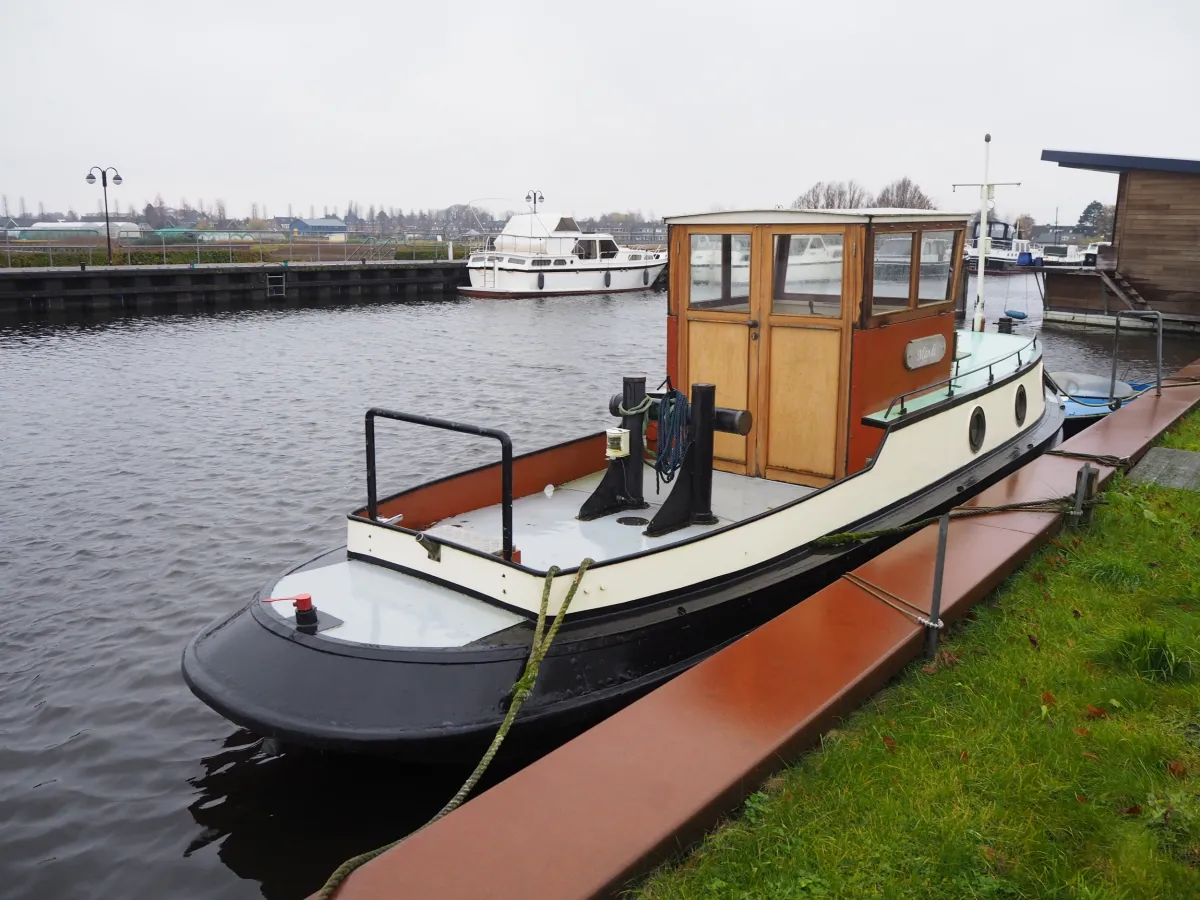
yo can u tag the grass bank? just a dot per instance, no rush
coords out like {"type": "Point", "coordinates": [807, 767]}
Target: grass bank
{"type": "Point", "coordinates": [1053, 750]}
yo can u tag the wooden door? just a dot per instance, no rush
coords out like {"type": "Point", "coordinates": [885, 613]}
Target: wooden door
{"type": "Point", "coordinates": [719, 343]}
{"type": "Point", "coordinates": [807, 289]}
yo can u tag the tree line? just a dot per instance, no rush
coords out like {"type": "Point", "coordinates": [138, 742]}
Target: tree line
{"type": "Point", "coordinates": [903, 193]}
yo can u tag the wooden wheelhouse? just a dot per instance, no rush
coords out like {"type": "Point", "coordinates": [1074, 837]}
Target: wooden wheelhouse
{"type": "Point", "coordinates": [811, 320]}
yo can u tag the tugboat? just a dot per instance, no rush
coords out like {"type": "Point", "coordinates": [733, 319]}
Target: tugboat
{"type": "Point", "coordinates": [542, 254]}
{"type": "Point", "coordinates": [821, 402]}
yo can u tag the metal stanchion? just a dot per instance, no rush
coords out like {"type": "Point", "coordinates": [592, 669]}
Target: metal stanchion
{"type": "Point", "coordinates": [935, 607]}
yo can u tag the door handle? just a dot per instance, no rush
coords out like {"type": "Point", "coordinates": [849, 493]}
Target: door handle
{"type": "Point", "coordinates": [752, 323]}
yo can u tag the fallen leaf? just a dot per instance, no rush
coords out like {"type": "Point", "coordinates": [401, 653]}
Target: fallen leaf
{"type": "Point", "coordinates": [1023, 681]}
{"type": "Point", "coordinates": [1083, 731]}
{"type": "Point", "coordinates": [1176, 769]}
{"type": "Point", "coordinates": [929, 668]}
{"type": "Point", "coordinates": [891, 724]}
{"type": "Point", "coordinates": [1112, 702]}
{"type": "Point", "coordinates": [1070, 643]}
{"type": "Point", "coordinates": [1039, 577]}
{"type": "Point", "coordinates": [1034, 641]}
{"type": "Point", "coordinates": [962, 756]}
{"type": "Point", "coordinates": [1076, 613]}
{"type": "Point", "coordinates": [1081, 798]}
{"type": "Point", "coordinates": [1048, 698]}
{"type": "Point", "coordinates": [890, 743]}
{"type": "Point", "coordinates": [1134, 810]}
{"type": "Point", "coordinates": [1091, 756]}
{"type": "Point", "coordinates": [1186, 607]}
{"type": "Point", "coordinates": [1096, 712]}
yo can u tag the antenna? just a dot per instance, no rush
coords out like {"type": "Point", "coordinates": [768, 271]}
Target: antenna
{"type": "Point", "coordinates": [987, 201]}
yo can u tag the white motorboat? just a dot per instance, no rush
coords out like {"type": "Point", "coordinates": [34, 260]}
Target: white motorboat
{"type": "Point", "coordinates": [540, 253]}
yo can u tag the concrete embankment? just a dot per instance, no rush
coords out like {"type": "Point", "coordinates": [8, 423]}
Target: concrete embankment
{"type": "Point", "coordinates": [173, 287]}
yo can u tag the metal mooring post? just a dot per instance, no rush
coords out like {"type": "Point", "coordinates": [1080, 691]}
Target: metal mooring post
{"type": "Point", "coordinates": [935, 607]}
{"type": "Point", "coordinates": [1087, 481]}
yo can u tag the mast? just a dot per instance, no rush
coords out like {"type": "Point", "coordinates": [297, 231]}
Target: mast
{"type": "Point", "coordinates": [987, 191]}
{"type": "Point", "coordinates": [981, 245]}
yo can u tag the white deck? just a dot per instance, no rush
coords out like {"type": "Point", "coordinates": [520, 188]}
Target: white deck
{"type": "Point", "coordinates": [547, 533]}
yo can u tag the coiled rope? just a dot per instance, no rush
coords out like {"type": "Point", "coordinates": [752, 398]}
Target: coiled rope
{"type": "Point", "coordinates": [1061, 505]}
{"type": "Point", "coordinates": [674, 416]}
{"type": "Point", "coordinates": [521, 691]}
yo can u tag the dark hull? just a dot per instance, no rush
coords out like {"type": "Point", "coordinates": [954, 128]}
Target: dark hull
{"type": "Point", "coordinates": [445, 705]}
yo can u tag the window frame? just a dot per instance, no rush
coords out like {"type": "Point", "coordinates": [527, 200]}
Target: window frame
{"type": "Point", "coordinates": [815, 230]}
{"type": "Point", "coordinates": [913, 310]}
{"type": "Point", "coordinates": [720, 231]}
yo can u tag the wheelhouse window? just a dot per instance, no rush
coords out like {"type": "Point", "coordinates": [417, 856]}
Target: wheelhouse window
{"type": "Point", "coordinates": [807, 275]}
{"type": "Point", "coordinates": [892, 273]}
{"type": "Point", "coordinates": [720, 272]}
{"type": "Point", "coordinates": [585, 249]}
{"type": "Point", "coordinates": [937, 267]}
{"type": "Point", "coordinates": [539, 262]}
{"type": "Point", "coordinates": [515, 261]}
{"type": "Point", "coordinates": [608, 249]}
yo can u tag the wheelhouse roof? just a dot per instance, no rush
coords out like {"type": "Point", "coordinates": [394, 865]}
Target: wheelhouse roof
{"type": "Point", "coordinates": [817, 217]}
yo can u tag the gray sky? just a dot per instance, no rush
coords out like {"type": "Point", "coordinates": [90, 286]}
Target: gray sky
{"type": "Point", "coordinates": [669, 108]}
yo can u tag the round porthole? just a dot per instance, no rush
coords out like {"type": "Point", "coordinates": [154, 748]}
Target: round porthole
{"type": "Point", "coordinates": [1022, 404]}
{"type": "Point", "coordinates": [977, 429]}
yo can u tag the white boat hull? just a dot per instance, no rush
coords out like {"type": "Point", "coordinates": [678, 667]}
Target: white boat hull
{"type": "Point", "coordinates": [507, 280]}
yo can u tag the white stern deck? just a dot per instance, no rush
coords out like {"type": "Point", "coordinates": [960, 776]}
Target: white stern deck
{"type": "Point", "coordinates": [547, 533]}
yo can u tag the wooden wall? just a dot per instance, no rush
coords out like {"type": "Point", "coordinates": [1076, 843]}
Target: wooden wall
{"type": "Point", "coordinates": [1158, 238]}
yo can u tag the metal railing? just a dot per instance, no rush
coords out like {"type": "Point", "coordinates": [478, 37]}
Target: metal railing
{"type": "Point", "coordinates": [506, 458]}
{"type": "Point", "coordinates": [1140, 314]}
{"type": "Point", "coordinates": [949, 382]}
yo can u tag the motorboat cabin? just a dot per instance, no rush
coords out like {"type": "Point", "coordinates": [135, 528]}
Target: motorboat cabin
{"type": "Point", "coordinates": [1006, 251]}
{"type": "Point", "coordinates": [816, 387]}
{"type": "Point", "coordinates": [539, 254]}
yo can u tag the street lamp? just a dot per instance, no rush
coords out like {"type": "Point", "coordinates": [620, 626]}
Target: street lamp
{"type": "Point", "coordinates": [535, 197]}
{"type": "Point", "coordinates": [91, 179]}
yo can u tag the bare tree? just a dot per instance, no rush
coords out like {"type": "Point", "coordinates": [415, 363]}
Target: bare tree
{"type": "Point", "coordinates": [41, 210]}
{"type": "Point", "coordinates": [221, 212]}
{"type": "Point", "coordinates": [904, 193]}
{"type": "Point", "coordinates": [4, 201]}
{"type": "Point", "coordinates": [254, 210]}
{"type": "Point", "coordinates": [834, 195]}
{"type": "Point", "coordinates": [1025, 224]}
{"type": "Point", "coordinates": [21, 207]}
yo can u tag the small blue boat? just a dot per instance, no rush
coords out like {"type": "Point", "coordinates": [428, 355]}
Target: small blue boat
{"type": "Point", "coordinates": [1087, 398]}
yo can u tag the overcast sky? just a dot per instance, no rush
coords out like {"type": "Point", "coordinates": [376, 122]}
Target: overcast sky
{"type": "Point", "coordinates": [667, 108]}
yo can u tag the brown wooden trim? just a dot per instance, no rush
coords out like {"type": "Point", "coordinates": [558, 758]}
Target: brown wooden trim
{"type": "Point", "coordinates": [774, 473]}
{"type": "Point", "coordinates": [907, 315]}
{"type": "Point", "coordinates": [424, 505]}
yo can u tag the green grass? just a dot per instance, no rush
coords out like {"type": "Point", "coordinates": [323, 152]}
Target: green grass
{"type": "Point", "coordinates": [1183, 436]}
{"type": "Point", "coordinates": [1052, 751]}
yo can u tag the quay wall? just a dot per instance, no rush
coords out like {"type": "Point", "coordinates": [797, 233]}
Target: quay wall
{"type": "Point", "coordinates": [170, 287]}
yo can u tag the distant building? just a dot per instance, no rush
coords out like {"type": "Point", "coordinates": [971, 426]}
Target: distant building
{"type": "Point", "coordinates": [318, 226]}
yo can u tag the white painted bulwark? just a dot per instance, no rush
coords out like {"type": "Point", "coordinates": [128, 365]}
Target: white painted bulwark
{"type": "Point", "coordinates": [911, 458]}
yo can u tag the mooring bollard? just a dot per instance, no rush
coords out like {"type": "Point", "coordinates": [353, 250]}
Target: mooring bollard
{"type": "Point", "coordinates": [1087, 481]}
{"type": "Point", "coordinates": [935, 607]}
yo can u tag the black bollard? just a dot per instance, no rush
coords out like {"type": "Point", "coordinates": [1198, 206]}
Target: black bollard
{"type": "Point", "coordinates": [633, 392]}
{"type": "Point", "coordinates": [704, 404]}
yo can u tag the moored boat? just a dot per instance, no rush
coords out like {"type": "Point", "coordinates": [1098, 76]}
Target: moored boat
{"type": "Point", "coordinates": [542, 254]}
{"type": "Point", "coordinates": [823, 400]}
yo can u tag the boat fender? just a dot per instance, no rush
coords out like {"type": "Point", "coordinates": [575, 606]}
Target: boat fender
{"type": "Point", "coordinates": [645, 276]}
{"type": "Point", "coordinates": [541, 280]}
{"type": "Point", "coordinates": [607, 278]}
{"type": "Point", "coordinates": [1016, 314]}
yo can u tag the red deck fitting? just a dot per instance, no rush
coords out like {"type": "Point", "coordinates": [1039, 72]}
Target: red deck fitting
{"type": "Point", "coordinates": [647, 782]}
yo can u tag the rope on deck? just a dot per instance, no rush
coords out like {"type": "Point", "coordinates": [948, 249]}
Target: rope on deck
{"type": "Point", "coordinates": [1061, 505]}
{"type": "Point", "coordinates": [521, 691]}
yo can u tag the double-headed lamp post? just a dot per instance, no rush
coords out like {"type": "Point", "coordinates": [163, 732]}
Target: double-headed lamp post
{"type": "Point", "coordinates": [91, 179]}
{"type": "Point", "coordinates": [535, 197]}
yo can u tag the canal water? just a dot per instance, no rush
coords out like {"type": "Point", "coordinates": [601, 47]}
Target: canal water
{"type": "Point", "coordinates": [158, 469]}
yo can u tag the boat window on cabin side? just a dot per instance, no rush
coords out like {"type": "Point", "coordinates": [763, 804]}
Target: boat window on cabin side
{"type": "Point", "coordinates": [585, 249]}
{"type": "Point", "coordinates": [937, 266]}
{"type": "Point", "coordinates": [608, 249]}
{"type": "Point", "coordinates": [720, 272]}
{"type": "Point", "coordinates": [807, 275]}
{"type": "Point", "coordinates": [892, 272]}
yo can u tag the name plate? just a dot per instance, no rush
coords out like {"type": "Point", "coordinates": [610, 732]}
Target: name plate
{"type": "Point", "coordinates": [925, 351]}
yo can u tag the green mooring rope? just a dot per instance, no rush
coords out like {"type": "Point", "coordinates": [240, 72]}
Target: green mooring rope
{"type": "Point", "coordinates": [1053, 505]}
{"type": "Point", "coordinates": [521, 691]}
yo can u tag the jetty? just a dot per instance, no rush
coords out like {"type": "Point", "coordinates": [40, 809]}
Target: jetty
{"type": "Point", "coordinates": [189, 286]}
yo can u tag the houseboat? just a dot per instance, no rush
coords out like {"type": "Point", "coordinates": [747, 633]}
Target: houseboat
{"type": "Point", "coordinates": [822, 399]}
{"type": "Point", "coordinates": [1006, 251]}
{"type": "Point", "coordinates": [542, 254]}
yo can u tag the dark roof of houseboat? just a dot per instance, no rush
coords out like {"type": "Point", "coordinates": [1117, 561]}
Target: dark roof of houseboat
{"type": "Point", "coordinates": [1113, 162]}
{"type": "Point", "coordinates": [814, 216]}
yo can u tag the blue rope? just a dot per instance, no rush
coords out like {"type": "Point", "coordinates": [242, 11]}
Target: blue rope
{"type": "Point", "coordinates": [673, 438]}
